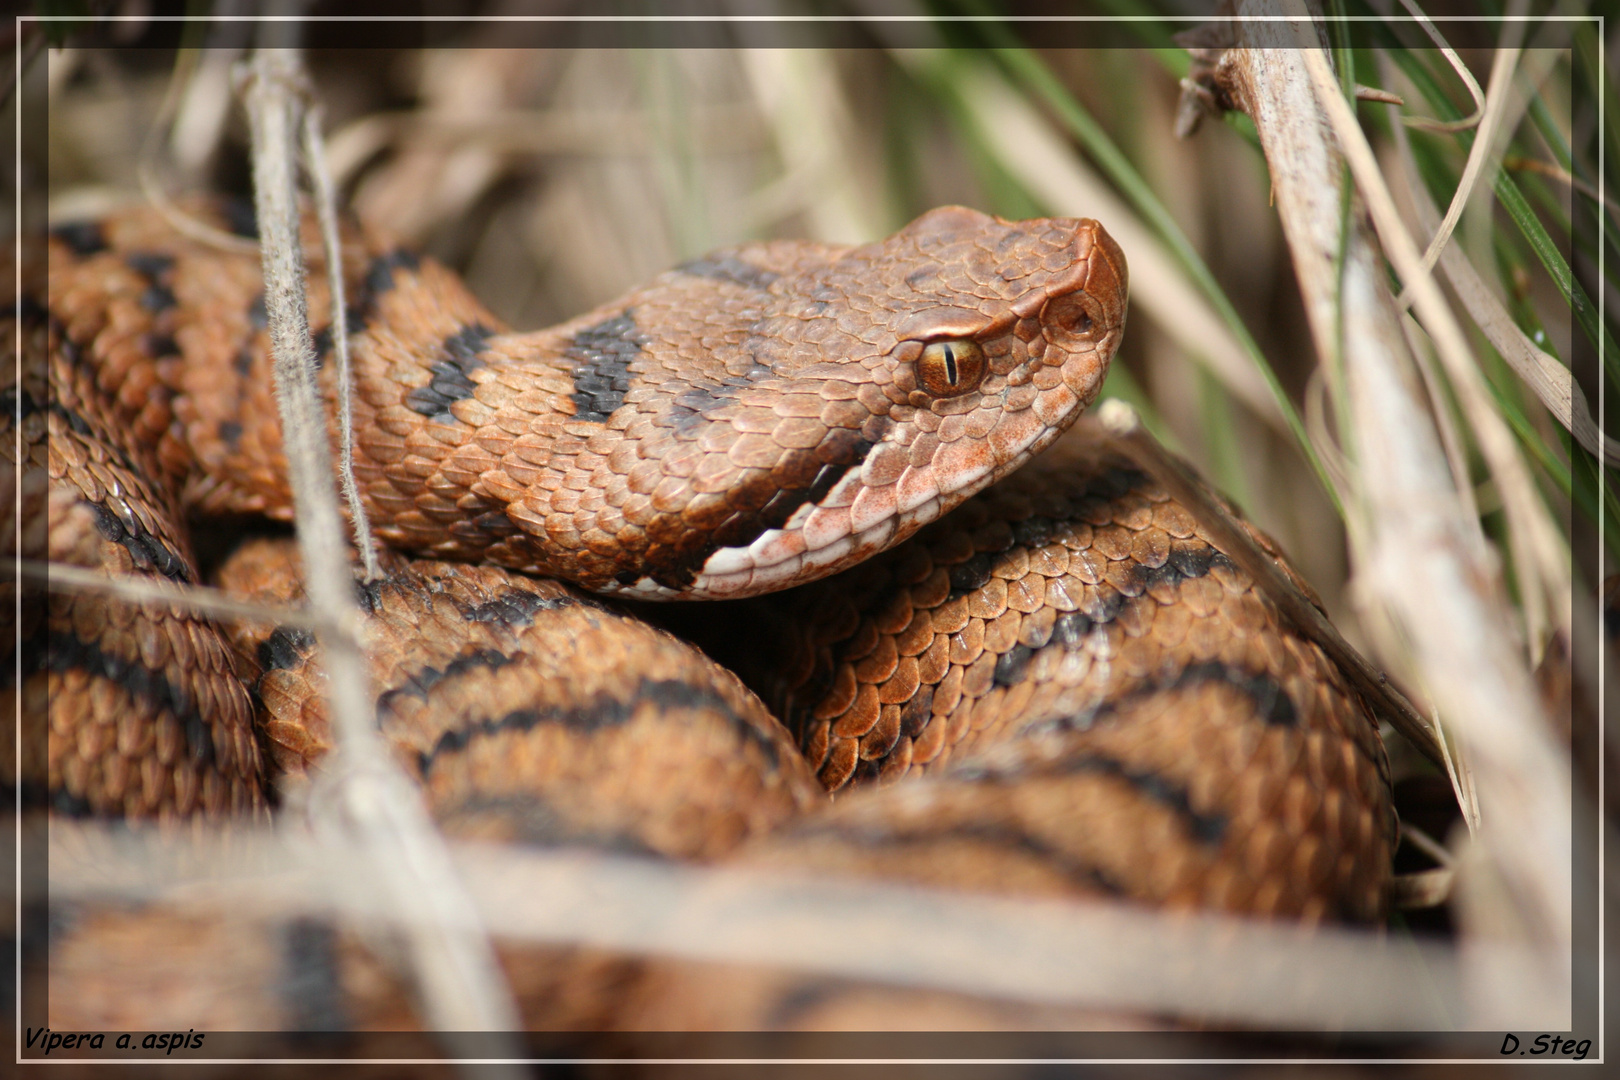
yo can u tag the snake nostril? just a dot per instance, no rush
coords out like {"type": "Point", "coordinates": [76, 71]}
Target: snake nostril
{"type": "Point", "coordinates": [1068, 316]}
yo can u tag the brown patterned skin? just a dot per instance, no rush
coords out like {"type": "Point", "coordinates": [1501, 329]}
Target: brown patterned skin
{"type": "Point", "coordinates": [147, 716]}
{"type": "Point", "coordinates": [624, 450]}
{"type": "Point", "coordinates": [532, 713]}
{"type": "Point", "coordinates": [1069, 647]}
{"type": "Point", "coordinates": [1090, 698]}
{"type": "Point", "coordinates": [1192, 753]}
{"type": "Point", "coordinates": [745, 422]}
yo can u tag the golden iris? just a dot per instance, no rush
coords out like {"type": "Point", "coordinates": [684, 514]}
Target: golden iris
{"type": "Point", "coordinates": [950, 368]}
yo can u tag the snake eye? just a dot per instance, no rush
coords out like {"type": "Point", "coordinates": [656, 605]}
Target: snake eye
{"type": "Point", "coordinates": [950, 368]}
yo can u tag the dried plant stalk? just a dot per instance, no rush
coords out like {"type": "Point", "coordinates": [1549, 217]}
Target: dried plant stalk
{"type": "Point", "coordinates": [1090, 955]}
{"type": "Point", "coordinates": [1417, 554]}
{"type": "Point", "coordinates": [457, 975]}
{"type": "Point", "coordinates": [326, 208]}
{"type": "Point", "coordinates": [198, 599]}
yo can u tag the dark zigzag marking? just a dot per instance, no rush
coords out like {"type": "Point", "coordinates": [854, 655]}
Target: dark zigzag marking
{"type": "Point", "coordinates": [599, 713]}
{"type": "Point", "coordinates": [996, 836]}
{"type": "Point", "coordinates": [81, 427]}
{"type": "Point", "coordinates": [148, 552]}
{"type": "Point", "coordinates": [1271, 700]}
{"type": "Point", "coordinates": [1207, 828]}
{"type": "Point", "coordinates": [380, 274]}
{"type": "Point", "coordinates": [286, 648]}
{"type": "Point", "coordinates": [537, 821]}
{"type": "Point", "coordinates": [83, 238]}
{"type": "Point", "coordinates": [418, 683]}
{"type": "Point", "coordinates": [1072, 628]}
{"type": "Point", "coordinates": [518, 607]}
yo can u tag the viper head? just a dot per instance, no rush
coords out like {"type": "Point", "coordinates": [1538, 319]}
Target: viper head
{"type": "Point", "coordinates": [860, 392]}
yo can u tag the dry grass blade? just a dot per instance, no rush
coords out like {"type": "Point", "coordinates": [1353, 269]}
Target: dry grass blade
{"type": "Point", "coordinates": [800, 93]}
{"type": "Point", "coordinates": [1418, 556]}
{"type": "Point", "coordinates": [1423, 889]}
{"type": "Point", "coordinates": [1496, 100]}
{"type": "Point", "coordinates": [326, 208]}
{"type": "Point", "coordinates": [1440, 407]}
{"type": "Point", "coordinates": [1099, 955]}
{"type": "Point", "coordinates": [1563, 176]}
{"type": "Point", "coordinates": [178, 93]}
{"type": "Point", "coordinates": [193, 598]}
{"type": "Point", "coordinates": [1540, 558]}
{"type": "Point", "coordinates": [1549, 380]}
{"type": "Point", "coordinates": [455, 967]}
{"type": "Point", "coordinates": [1467, 77]}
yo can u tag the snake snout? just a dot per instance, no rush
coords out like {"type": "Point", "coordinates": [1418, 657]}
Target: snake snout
{"type": "Point", "coordinates": [1108, 281]}
{"type": "Point", "coordinates": [1083, 317]}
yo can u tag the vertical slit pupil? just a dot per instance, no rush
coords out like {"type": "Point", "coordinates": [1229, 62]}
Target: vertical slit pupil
{"type": "Point", "coordinates": [950, 365]}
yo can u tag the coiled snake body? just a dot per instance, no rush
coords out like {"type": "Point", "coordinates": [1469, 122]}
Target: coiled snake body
{"type": "Point", "coordinates": [1097, 701]}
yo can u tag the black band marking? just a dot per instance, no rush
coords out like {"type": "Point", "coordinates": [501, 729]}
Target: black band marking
{"type": "Point", "coordinates": [1012, 664]}
{"type": "Point", "coordinates": [1182, 565]}
{"type": "Point", "coordinates": [729, 268]}
{"type": "Point", "coordinates": [80, 426]}
{"type": "Point", "coordinates": [151, 265]}
{"type": "Point", "coordinates": [516, 608]}
{"type": "Point", "coordinates": [1207, 828]}
{"type": "Point", "coordinates": [31, 313]}
{"type": "Point", "coordinates": [84, 238]}
{"type": "Point", "coordinates": [1271, 700]}
{"type": "Point", "coordinates": [66, 652]}
{"type": "Point", "coordinates": [603, 712]}
{"type": "Point", "coordinates": [148, 552]}
{"type": "Point", "coordinates": [602, 355]}
{"type": "Point", "coordinates": [239, 216]}
{"type": "Point", "coordinates": [1000, 837]}
{"type": "Point", "coordinates": [450, 381]}
{"type": "Point", "coordinates": [972, 574]}
{"type": "Point", "coordinates": [539, 822]}
{"type": "Point", "coordinates": [69, 805]}
{"type": "Point", "coordinates": [285, 648]}
{"type": "Point", "coordinates": [419, 683]}
{"type": "Point", "coordinates": [18, 404]}
{"type": "Point", "coordinates": [311, 986]}
{"type": "Point", "coordinates": [161, 345]}
{"type": "Point", "coordinates": [380, 275]}
{"type": "Point", "coordinates": [158, 299]}
{"type": "Point", "coordinates": [258, 315]}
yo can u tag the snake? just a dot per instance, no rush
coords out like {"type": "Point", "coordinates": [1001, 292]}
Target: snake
{"type": "Point", "coordinates": [951, 634]}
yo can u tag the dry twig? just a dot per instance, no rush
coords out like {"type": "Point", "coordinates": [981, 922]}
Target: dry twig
{"type": "Point", "coordinates": [1092, 955]}
{"type": "Point", "coordinates": [1418, 556]}
{"type": "Point", "coordinates": [456, 969]}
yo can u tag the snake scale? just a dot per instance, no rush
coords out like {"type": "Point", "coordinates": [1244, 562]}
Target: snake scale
{"type": "Point", "coordinates": [1045, 682]}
